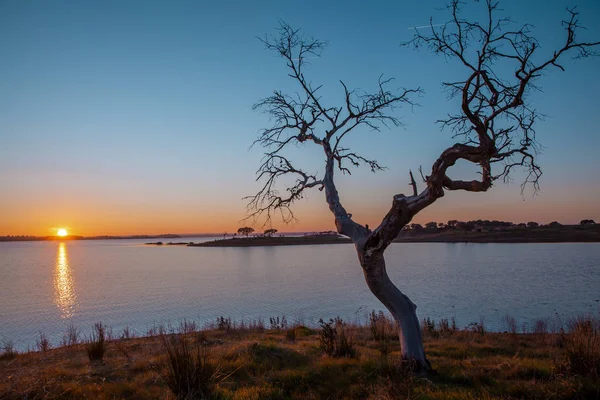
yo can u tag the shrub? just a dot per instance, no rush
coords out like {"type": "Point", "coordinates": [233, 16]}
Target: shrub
{"type": "Point", "coordinates": [189, 371]}
{"type": "Point", "coordinates": [334, 339]}
{"type": "Point", "coordinates": [96, 345]}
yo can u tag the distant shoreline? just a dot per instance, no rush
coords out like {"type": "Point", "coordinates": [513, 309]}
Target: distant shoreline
{"type": "Point", "coordinates": [563, 234]}
{"type": "Point", "coordinates": [543, 234]}
{"type": "Point", "coordinates": [274, 241]}
{"type": "Point", "coordinates": [58, 238]}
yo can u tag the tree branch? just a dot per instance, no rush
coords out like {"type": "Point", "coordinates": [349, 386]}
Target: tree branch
{"type": "Point", "coordinates": [304, 117]}
{"type": "Point", "coordinates": [495, 121]}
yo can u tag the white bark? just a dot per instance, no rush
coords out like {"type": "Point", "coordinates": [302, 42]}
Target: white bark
{"type": "Point", "coordinates": [370, 255]}
{"type": "Point", "coordinates": [399, 305]}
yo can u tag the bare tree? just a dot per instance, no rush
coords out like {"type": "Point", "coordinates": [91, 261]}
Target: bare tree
{"type": "Point", "coordinates": [494, 125]}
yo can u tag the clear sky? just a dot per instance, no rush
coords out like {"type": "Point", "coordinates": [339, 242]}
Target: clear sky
{"type": "Point", "coordinates": [124, 117]}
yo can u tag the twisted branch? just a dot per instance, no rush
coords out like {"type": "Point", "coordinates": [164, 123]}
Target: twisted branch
{"type": "Point", "coordinates": [305, 118]}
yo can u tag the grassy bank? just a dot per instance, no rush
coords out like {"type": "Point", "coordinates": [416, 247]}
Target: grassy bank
{"type": "Point", "coordinates": [334, 361]}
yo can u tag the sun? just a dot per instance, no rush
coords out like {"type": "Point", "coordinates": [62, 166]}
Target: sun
{"type": "Point", "coordinates": [62, 232]}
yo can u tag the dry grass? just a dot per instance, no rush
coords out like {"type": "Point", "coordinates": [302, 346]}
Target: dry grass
{"type": "Point", "coordinates": [96, 344]}
{"type": "Point", "coordinates": [265, 364]}
{"type": "Point", "coordinates": [189, 372]}
{"type": "Point", "coordinates": [582, 347]}
{"type": "Point", "coordinates": [336, 338]}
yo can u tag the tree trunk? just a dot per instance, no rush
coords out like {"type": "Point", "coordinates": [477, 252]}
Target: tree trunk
{"type": "Point", "coordinates": [399, 305]}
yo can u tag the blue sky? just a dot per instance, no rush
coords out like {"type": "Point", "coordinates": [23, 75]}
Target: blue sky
{"type": "Point", "coordinates": [135, 116]}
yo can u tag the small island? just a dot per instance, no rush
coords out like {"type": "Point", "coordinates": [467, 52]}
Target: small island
{"type": "Point", "coordinates": [31, 238]}
{"type": "Point", "coordinates": [169, 243]}
{"type": "Point", "coordinates": [479, 231]}
{"type": "Point", "coordinates": [310, 239]}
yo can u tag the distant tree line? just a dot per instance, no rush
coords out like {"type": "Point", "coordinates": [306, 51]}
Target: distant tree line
{"type": "Point", "coordinates": [246, 231]}
{"type": "Point", "coordinates": [484, 225]}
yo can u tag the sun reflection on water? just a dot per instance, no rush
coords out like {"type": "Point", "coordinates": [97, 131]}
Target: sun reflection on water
{"type": "Point", "coordinates": [64, 289]}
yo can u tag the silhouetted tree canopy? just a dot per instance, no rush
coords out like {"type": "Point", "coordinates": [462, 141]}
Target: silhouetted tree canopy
{"type": "Point", "coordinates": [431, 225]}
{"type": "Point", "coordinates": [246, 230]}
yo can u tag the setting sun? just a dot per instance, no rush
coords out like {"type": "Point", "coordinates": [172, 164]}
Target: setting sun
{"type": "Point", "coordinates": [62, 232]}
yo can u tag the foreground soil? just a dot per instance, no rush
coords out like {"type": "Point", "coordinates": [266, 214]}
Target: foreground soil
{"type": "Point", "coordinates": [273, 364]}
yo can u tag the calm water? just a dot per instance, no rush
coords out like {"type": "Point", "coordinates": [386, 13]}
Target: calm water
{"type": "Point", "coordinates": [45, 286]}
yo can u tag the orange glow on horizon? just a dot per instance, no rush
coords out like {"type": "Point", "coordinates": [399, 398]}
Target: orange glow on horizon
{"type": "Point", "coordinates": [95, 219]}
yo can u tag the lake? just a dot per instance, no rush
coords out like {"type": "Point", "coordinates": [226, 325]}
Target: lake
{"type": "Point", "coordinates": [46, 286]}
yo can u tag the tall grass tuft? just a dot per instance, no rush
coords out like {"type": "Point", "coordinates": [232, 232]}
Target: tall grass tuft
{"type": "Point", "coordinates": [540, 327]}
{"type": "Point", "coordinates": [8, 350]}
{"type": "Point", "coordinates": [377, 323]}
{"type": "Point", "coordinates": [71, 337]}
{"type": "Point", "coordinates": [187, 327]}
{"type": "Point", "coordinates": [446, 327]}
{"type": "Point", "coordinates": [511, 324]}
{"type": "Point", "coordinates": [335, 339]}
{"type": "Point", "coordinates": [42, 343]}
{"type": "Point", "coordinates": [428, 325]}
{"type": "Point", "coordinates": [582, 347]}
{"type": "Point", "coordinates": [127, 333]}
{"type": "Point", "coordinates": [189, 371]}
{"type": "Point", "coordinates": [224, 324]}
{"type": "Point", "coordinates": [95, 346]}
{"type": "Point", "coordinates": [277, 323]}
{"type": "Point", "coordinates": [477, 327]}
